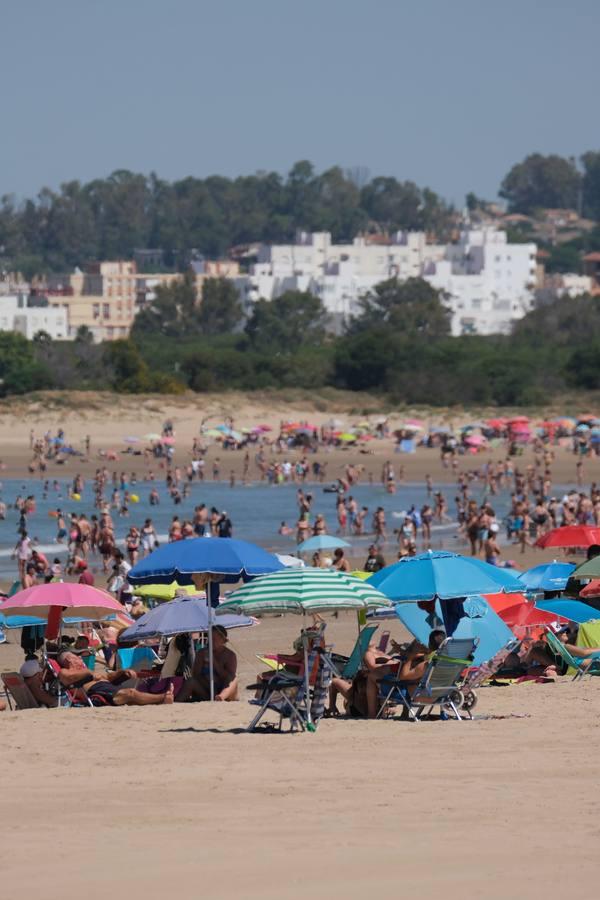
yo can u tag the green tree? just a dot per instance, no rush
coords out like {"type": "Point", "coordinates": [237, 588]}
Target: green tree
{"type": "Point", "coordinates": [410, 307]}
{"type": "Point", "coordinates": [294, 320]}
{"type": "Point", "coordinates": [220, 310]}
{"type": "Point", "coordinates": [591, 185]}
{"type": "Point", "coordinates": [20, 372]}
{"type": "Point", "coordinates": [541, 181]}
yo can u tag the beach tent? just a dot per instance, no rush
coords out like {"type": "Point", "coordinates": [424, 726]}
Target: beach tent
{"type": "Point", "coordinates": [321, 542]}
{"type": "Point", "coordinates": [479, 621]}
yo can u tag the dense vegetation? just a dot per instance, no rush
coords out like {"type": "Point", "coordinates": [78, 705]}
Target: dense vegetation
{"type": "Point", "coordinates": [109, 218]}
{"type": "Point", "coordinates": [399, 344]}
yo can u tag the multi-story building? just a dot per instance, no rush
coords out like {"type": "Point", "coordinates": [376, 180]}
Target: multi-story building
{"type": "Point", "coordinates": [16, 315]}
{"type": "Point", "coordinates": [486, 281]}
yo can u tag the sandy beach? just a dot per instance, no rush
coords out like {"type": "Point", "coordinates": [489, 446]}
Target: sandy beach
{"type": "Point", "coordinates": [177, 798]}
{"type": "Point", "coordinates": [153, 800]}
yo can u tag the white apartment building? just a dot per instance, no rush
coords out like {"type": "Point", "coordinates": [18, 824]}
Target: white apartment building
{"type": "Point", "coordinates": [487, 282]}
{"type": "Point", "coordinates": [15, 315]}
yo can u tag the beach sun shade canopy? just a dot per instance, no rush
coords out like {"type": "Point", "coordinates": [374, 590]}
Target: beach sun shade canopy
{"type": "Point", "coordinates": [552, 576]}
{"type": "Point", "coordinates": [89, 603]}
{"type": "Point", "coordinates": [321, 542]}
{"type": "Point", "coordinates": [479, 621]}
{"type": "Point", "coordinates": [303, 591]}
{"type": "Point", "coordinates": [592, 589]}
{"type": "Point", "coordinates": [570, 536]}
{"type": "Point", "coordinates": [588, 569]}
{"type": "Point", "coordinates": [573, 610]}
{"type": "Point", "coordinates": [186, 615]}
{"type": "Point", "coordinates": [442, 574]}
{"type": "Point", "coordinates": [227, 559]}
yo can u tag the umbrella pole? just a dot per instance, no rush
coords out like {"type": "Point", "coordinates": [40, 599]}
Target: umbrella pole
{"type": "Point", "coordinates": [306, 677]}
{"type": "Point", "coordinates": [200, 584]}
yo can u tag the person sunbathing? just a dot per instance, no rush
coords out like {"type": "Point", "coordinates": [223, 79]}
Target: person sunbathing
{"type": "Point", "coordinates": [409, 670]}
{"type": "Point", "coordinates": [225, 679]}
{"type": "Point", "coordinates": [568, 636]}
{"type": "Point", "coordinates": [361, 694]}
{"type": "Point", "coordinates": [110, 687]}
{"type": "Point", "coordinates": [32, 675]}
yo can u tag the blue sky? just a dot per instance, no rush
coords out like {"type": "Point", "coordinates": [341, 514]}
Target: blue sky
{"type": "Point", "coordinates": [449, 95]}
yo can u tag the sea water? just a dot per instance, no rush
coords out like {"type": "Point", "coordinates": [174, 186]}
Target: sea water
{"type": "Point", "coordinates": [256, 510]}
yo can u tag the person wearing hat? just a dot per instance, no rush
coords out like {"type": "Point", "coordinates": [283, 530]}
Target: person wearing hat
{"type": "Point", "coordinates": [31, 673]}
{"type": "Point", "coordinates": [224, 672]}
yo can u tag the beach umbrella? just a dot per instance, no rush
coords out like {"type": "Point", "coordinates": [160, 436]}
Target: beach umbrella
{"type": "Point", "coordinates": [570, 536]}
{"type": "Point", "coordinates": [185, 615]}
{"type": "Point", "coordinates": [290, 562]}
{"type": "Point", "coordinates": [573, 610]}
{"type": "Point", "coordinates": [168, 440]}
{"type": "Point", "coordinates": [163, 591]}
{"type": "Point", "coordinates": [347, 437]}
{"type": "Point", "coordinates": [592, 589]}
{"type": "Point", "coordinates": [213, 432]}
{"type": "Point", "coordinates": [475, 440]}
{"type": "Point", "coordinates": [321, 542]}
{"type": "Point", "coordinates": [222, 559]}
{"type": "Point", "coordinates": [153, 436]}
{"type": "Point", "coordinates": [304, 591]}
{"type": "Point", "coordinates": [552, 576]}
{"type": "Point", "coordinates": [201, 561]}
{"type": "Point", "coordinates": [478, 621]}
{"type": "Point", "coordinates": [442, 574]}
{"type": "Point", "coordinates": [588, 569]}
{"type": "Point", "coordinates": [50, 602]}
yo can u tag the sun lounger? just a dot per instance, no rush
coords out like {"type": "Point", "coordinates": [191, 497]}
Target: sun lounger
{"type": "Point", "coordinates": [439, 685]}
{"type": "Point", "coordinates": [16, 688]}
{"type": "Point", "coordinates": [583, 665]}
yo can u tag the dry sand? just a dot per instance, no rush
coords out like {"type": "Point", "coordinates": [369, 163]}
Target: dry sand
{"type": "Point", "coordinates": [177, 800]}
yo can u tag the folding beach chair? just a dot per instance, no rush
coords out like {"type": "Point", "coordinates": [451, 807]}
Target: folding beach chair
{"type": "Point", "coordinates": [348, 666]}
{"type": "Point", "coordinates": [16, 688]}
{"type": "Point", "coordinates": [439, 685]}
{"type": "Point", "coordinates": [67, 696]}
{"type": "Point", "coordinates": [478, 674]}
{"type": "Point", "coordinates": [589, 665]}
{"type": "Point", "coordinates": [140, 659]}
{"type": "Point", "coordinates": [285, 695]}
{"type": "Point", "coordinates": [320, 693]}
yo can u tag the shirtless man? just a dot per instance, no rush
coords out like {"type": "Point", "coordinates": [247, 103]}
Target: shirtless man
{"type": "Point", "coordinates": [75, 674]}
{"type": "Point", "coordinates": [224, 672]}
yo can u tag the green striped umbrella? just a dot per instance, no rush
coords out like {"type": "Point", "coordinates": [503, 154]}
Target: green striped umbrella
{"type": "Point", "coordinates": [304, 591]}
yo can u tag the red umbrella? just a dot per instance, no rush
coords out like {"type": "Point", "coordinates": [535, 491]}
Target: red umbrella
{"type": "Point", "coordinates": [592, 589]}
{"type": "Point", "coordinates": [570, 536]}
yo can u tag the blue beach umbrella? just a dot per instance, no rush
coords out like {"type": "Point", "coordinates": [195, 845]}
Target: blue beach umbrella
{"type": "Point", "coordinates": [202, 561]}
{"type": "Point", "coordinates": [444, 575]}
{"type": "Point", "coordinates": [574, 610]}
{"type": "Point", "coordinates": [183, 616]}
{"type": "Point", "coordinates": [321, 542]}
{"type": "Point", "coordinates": [479, 621]}
{"type": "Point", "coordinates": [225, 559]}
{"type": "Point", "coordinates": [552, 576]}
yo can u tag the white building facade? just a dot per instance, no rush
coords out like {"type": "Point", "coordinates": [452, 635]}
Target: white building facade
{"type": "Point", "coordinates": [15, 315]}
{"type": "Point", "coordinates": [487, 282]}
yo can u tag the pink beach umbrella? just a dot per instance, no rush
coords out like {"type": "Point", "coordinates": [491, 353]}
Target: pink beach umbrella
{"type": "Point", "coordinates": [79, 599]}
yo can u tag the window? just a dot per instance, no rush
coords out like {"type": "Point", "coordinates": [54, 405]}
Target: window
{"type": "Point", "coordinates": [106, 310]}
{"type": "Point", "coordinates": [96, 310]}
